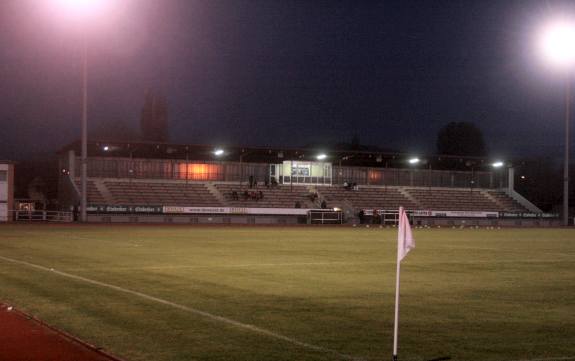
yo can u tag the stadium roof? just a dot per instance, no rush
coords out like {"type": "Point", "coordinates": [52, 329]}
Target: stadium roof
{"type": "Point", "coordinates": [337, 155]}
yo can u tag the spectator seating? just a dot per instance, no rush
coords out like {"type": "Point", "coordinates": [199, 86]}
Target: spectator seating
{"type": "Point", "coordinates": [367, 197]}
{"type": "Point", "coordinates": [160, 193]}
{"type": "Point", "coordinates": [509, 204]}
{"type": "Point", "coordinates": [94, 195]}
{"type": "Point", "coordinates": [280, 196]}
{"type": "Point", "coordinates": [142, 192]}
{"type": "Point", "coordinates": [450, 199]}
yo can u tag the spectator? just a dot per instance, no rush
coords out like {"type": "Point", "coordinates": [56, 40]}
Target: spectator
{"type": "Point", "coordinates": [297, 204]}
{"type": "Point", "coordinates": [251, 181]}
{"type": "Point", "coordinates": [361, 216]}
{"type": "Point", "coordinates": [274, 182]}
{"type": "Point", "coordinates": [235, 196]}
{"type": "Point", "coordinates": [246, 195]}
{"type": "Point", "coordinates": [267, 182]}
{"type": "Point", "coordinates": [323, 204]}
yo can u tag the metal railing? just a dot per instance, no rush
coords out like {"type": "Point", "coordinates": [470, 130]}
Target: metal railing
{"type": "Point", "coordinates": [41, 216]}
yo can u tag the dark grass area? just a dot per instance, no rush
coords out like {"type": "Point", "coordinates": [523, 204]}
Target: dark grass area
{"type": "Point", "coordinates": [471, 294]}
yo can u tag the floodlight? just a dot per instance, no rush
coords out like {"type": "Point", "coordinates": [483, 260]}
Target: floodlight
{"type": "Point", "coordinates": [106, 148]}
{"type": "Point", "coordinates": [413, 160]}
{"type": "Point", "coordinates": [321, 156]}
{"type": "Point", "coordinates": [218, 152]}
{"type": "Point", "coordinates": [557, 43]}
{"type": "Point", "coordinates": [82, 8]}
{"type": "Point", "coordinates": [497, 164]}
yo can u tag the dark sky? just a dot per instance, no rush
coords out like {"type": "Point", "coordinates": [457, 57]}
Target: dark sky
{"type": "Point", "coordinates": [284, 73]}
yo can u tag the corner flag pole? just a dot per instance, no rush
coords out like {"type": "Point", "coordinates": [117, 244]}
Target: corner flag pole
{"type": "Point", "coordinates": [396, 319]}
{"type": "Point", "coordinates": [405, 243]}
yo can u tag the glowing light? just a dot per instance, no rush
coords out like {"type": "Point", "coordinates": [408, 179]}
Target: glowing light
{"type": "Point", "coordinates": [106, 148]}
{"type": "Point", "coordinates": [413, 161]}
{"type": "Point", "coordinates": [557, 43]}
{"type": "Point", "coordinates": [497, 164]}
{"type": "Point", "coordinates": [198, 171]}
{"type": "Point", "coordinates": [219, 152]}
{"type": "Point", "coordinates": [321, 156]}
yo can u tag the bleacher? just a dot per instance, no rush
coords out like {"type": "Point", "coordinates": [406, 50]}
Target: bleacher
{"type": "Point", "coordinates": [453, 199]}
{"type": "Point", "coordinates": [509, 204]}
{"type": "Point", "coordinates": [93, 194]}
{"type": "Point", "coordinates": [367, 197]}
{"type": "Point", "coordinates": [141, 192]}
{"type": "Point", "coordinates": [414, 198]}
{"type": "Point", "coordinates": [273, 197]}
{"type": "Point", "coordinates": [160, 193]}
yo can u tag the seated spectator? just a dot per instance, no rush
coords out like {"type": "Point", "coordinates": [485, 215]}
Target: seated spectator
{"type": "Point", "coordinates": [313, 196]}
{"type": "Point", "coordinates": [274, 182]}
{"type": "Point", "coordinates": [260, 195]}
{"type": "Point", "coordinates": [246, 195]}
{"type": "Point", "coordinates": [297, 204]}
{"type": "Point", "coordinates": [323, 204]}
{"type": "Point", "coordinates": [235, 195]}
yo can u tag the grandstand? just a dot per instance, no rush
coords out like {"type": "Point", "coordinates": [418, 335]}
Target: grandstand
{"type": "Point", "coordinates": [279, 185]}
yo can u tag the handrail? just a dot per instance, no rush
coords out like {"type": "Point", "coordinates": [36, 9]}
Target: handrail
{"type": "Point", "coordinates": [41, 216]}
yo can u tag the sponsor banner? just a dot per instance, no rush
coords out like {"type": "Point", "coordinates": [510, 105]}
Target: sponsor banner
{"type": "Point", "coordinates": [527, 215]}
{"type": "Point", "coordinates": [235, 210]}
{"type": "Point", "coordinates": [465, 214]}
{"type": "Point", "coordinates": [124, 209]}
{"type": "Point", "coordinates": [447, 214]}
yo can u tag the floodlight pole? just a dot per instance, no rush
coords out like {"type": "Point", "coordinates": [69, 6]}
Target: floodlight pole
{"type": "Point", "coordinates": [567, 140]}
{"type": "Point", "coordinates": [84, 174]}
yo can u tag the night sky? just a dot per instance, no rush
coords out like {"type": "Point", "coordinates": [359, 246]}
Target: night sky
{"type": "Point", "coordinates": [284, 73]}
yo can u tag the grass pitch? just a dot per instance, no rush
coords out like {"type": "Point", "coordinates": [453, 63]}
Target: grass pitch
{"type": "Point", "coordinates": [490, 295]}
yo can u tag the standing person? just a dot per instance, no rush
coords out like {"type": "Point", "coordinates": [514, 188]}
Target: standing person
{"type": "Point", "coordinates": [251, 181]}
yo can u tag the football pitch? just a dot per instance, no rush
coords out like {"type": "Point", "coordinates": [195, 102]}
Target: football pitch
{"type": "Point", "coordinates": [168, 293]}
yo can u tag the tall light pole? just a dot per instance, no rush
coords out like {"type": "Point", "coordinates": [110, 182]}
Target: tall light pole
{"type": "Point", "coordinates": [566, 156]}
{"type": "Point", "coordinates": [84, 174]}
{"type": "Point", "coordinates": [558, 46]}
{"type": "Point", "coordinates": [80, 11]}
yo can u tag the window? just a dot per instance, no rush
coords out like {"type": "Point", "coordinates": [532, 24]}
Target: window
{"type": "Point", "coordinates": [3, 175]}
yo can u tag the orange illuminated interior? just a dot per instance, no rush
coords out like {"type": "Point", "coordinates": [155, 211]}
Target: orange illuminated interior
{"type": "Point", "coordinates": [195, 171]}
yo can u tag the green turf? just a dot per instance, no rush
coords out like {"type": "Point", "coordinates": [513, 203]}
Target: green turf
{"type": "Point", "coordinates": [468, 294]}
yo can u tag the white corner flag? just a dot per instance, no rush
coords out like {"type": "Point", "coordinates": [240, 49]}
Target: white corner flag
{"type": "Point", "coordinates": [405, 243]}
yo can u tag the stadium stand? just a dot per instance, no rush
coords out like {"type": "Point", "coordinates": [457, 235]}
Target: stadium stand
{"type": "Point", "coordinates": [198, 194]}
{"type": "Point", "coordinates": [215, 189]}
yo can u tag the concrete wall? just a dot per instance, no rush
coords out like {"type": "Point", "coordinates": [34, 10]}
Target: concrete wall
{"type": "Point", "coordinates": [195, 219]}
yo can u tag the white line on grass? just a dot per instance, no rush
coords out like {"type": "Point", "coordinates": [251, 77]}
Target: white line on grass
{"type": "Point", "coordinates": [205, 314]}
{"type": "Point", "coordinates": [549, 359]}
{"type": "Point", "coordinates": [291, 264]}
{"type": "Point", "coordinates": [242, 265]}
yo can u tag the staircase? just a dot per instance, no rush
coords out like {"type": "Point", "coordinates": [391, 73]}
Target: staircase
{"type": "Point", "coordinates": [407, 195]}
{"type": "Point", "coordinates": [216, 193]}
{"type": "Point", "coordinates": [101, 187]}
